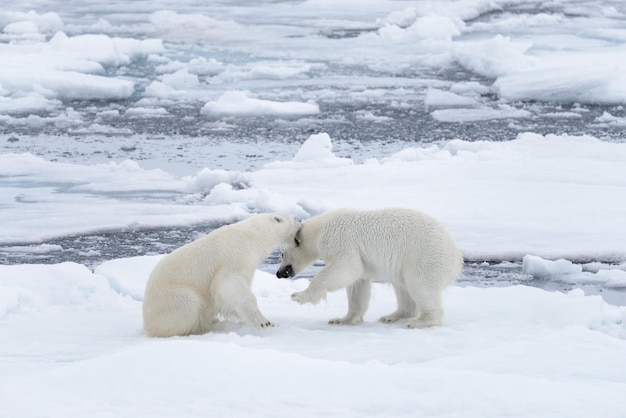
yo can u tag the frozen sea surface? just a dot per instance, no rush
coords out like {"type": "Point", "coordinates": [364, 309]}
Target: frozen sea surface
{"type": "Point", "coordinates": [130, 128]}
{"type": "Point", "coordinates": [185, 86]}
{"type": "Point", "coordinates": [382, 76]}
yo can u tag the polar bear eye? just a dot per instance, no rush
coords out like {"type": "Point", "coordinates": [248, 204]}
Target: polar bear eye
{"type": "Point", "coordinates": [295, 240]}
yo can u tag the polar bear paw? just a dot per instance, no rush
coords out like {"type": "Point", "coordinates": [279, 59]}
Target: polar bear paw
{"type": "Point", "coordinates": [426, 321]}
{"type": "Point", "coordinates": [306, 297]}
{"type": "Point", "coordinates": [254, 317]}
{"type": "Point", "coordinates": [347, 320]}
{"type": "Point", "coordinates": [301, 297]}
{"type": "Point", "coordinates": [393, 317]}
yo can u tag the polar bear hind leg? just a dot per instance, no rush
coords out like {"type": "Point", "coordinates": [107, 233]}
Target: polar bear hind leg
{"type": "Point", "coordinates": [428, 304]}
{"type": "Point", "coordinates": [181, 311]}
{"type": "Point", "coordinates": [358, 301]}
{"type": "Point", "coordinates": [406, 305]}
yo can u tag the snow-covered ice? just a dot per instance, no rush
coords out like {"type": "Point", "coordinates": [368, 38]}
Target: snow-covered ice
{"type": "Point", "coordinates": [551, 196]}
{"type": "Point", "coordinates": [504, 119]}
{"type": "Point", "coordinates": [238, 103]}
{"type": "Point", "coordinates": [72, 346]}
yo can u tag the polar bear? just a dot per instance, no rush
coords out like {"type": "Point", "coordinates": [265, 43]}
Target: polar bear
{"type": "Point", "coordinates": [406, 248]}
{"type": "Point", "coordinates": [211, 276]}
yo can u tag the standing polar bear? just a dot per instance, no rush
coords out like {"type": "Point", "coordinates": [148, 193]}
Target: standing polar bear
{"type": "Point", "coordinates": [406, 248]}
{"type": "Point", "coordinates": [191, 286]}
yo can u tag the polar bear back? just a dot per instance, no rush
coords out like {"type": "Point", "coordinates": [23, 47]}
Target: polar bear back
{"type": "Point", "coordinates": [240, 246]}
{"type": "Point", "coordinates": [387, 241]}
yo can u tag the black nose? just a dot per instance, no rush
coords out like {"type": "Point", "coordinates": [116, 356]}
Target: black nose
{"type": "Point", "coordinates": [285, 272]}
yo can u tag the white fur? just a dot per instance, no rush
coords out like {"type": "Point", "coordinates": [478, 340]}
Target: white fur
{"type": "Point", "coordinates": [191, 286]}
{"type": "Point", "coordinates": [406, 248]}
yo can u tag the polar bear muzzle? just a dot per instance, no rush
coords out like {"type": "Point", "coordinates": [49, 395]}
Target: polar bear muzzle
{"type": "Point", "coordinates": [285, 272]}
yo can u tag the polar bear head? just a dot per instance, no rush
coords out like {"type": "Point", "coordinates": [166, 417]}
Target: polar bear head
{"type": "Point", "coordinates": [297, 256]}
{"type": "Point", "coordinates": [264, 231]}
{"type": "Point", "coordinates": [284, 227]}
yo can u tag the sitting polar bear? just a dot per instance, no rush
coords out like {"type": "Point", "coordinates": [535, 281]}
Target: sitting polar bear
{"type": "Point", "coordinates": [407, 248]}
{"type": "Point", "coordinates": [191, 286]}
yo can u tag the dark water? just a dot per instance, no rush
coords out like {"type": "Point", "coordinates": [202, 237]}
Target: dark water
{"type": "Point", "coordinates": [177, 140]}
{"type": "Point", "coordinates": [411, 123]}
{"type": "Point", "coordinates": [247, 142]}
{"type": "Point", "coordinates": [92, 250]}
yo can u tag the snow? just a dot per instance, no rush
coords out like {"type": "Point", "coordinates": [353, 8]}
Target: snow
{"type": "Point", "coordinates": [545, 268]}
{"type": "Point", "coordinates": [73, 342]}
{"type": "Point", "coordinates": [477, 114]}
{"type": "Point", "coordinates": [66, 67]}
{"type": "Point", "coordinates": [578, 60]}
{"type": "Point", "coordinates": [316, 151]}
{"type": "Point", "coordinates": [609, 119]}
{"type": "Point", "coordinates": [537, 178]}
{"type": "Point", "coordinates": [190, 27]}
{"type": "Point", "coordinates": [568, 272]}
{"type": "Point", "coordinates": [89, 357]}
{"type": "Point", "coordinates": [92, 99]}
{"type": "Point", "coordinates": [572, 83]}
{"type": "Point", "coordinates": [436, 97]}
{"type": "Point", "coordinates": [238, 103]}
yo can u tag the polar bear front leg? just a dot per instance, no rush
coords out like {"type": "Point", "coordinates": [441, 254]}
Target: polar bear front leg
{"type": "Point", "coordinates": [308, 296]}
{"type": "Point", "coordinates": [332, 277]}
{"type": "Point", "coordinates": [235, 296]}
{"type": "Point", "coordinates": [358, 301]}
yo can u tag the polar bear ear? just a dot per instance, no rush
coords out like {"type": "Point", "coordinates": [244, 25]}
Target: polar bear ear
{"type": "Point", "coordinates": [277, 218]}
{"type": "Point", "coordinates": [296, 239]}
